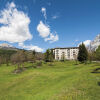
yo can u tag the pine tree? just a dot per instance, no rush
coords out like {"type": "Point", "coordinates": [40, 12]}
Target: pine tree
{"type": "Point", "coordinates": [47, 55]}
{"type": "Point", "coordinates": [83, 53]}
{"type": "Point", "coordinates": [51, 56]}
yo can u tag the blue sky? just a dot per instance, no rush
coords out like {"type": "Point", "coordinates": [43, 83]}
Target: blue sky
{"type": "Point", "coordinates": [48, 23]}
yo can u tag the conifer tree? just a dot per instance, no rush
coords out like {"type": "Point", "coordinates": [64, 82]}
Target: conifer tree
{"type": "Point", "coordinates": [49, 56]}
{"type": "Point", "coordinates": [83, 53]}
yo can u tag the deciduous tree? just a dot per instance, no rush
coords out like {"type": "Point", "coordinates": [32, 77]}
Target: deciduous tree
{"type": "Point", "coordinates": [19, 58]}
{"type": "Point", "coordinates": [97, 53]}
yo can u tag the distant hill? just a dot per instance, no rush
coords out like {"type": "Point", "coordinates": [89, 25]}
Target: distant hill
{"type": "Point", "coordinates": [7, 46]}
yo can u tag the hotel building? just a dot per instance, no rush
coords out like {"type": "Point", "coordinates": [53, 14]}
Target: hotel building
{"type": "Point", "coordinates": [69, 53]}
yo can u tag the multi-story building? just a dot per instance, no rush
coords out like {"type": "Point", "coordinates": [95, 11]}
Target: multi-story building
{"type": "Point", "coordinates": [69, 53]}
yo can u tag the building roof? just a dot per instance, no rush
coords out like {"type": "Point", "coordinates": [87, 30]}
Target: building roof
{"type": "Point", "coordinates": [66, 48]}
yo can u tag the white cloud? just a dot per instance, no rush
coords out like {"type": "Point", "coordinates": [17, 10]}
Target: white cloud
{"type": "Point", "coordinates": [21, 44]}
{"type": "Point", "coordinates": [55, 17]}
{"type": "Point", "coordinates": [43, 10]}
{"type": "Point", "coordinates": [52, 38]}
{"type": "Point", "coordinates": [76, 40]}
{"type": "Point", "coordinates": [44, 32]}
{"type": "Point", "coordinates": [86, 43]}
{"type": "Point", "coordinates": [43, 29]}
{"type": "Point", "coordinates": [15, 25]}
{"type": "Point", "coordinates": [31, 47]}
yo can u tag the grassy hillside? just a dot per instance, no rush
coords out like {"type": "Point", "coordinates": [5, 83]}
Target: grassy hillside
{"type": "Point", "coordinates": [62, 81]}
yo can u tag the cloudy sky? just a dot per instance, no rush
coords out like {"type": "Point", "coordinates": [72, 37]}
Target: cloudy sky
{"type": "Point", "coordinates": [42, 24]}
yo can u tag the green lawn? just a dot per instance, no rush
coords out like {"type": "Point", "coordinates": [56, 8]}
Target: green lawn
{"type": "Point", "coordinates": [62, 81]}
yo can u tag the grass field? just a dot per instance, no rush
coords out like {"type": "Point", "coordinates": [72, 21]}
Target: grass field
{"type": "Point", "coordinates": [62, 81]}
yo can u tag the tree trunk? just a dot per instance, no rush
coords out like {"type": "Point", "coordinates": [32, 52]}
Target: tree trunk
{"type": "Point", "coordinates": [23, 65]}
{"type": "Point", "coordinates": [18, 65]}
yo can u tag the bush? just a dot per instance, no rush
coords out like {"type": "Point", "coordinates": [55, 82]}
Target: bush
{"type": "Point", "coordinates": [19, 70]}
{"type": "Point", "coordinates": [51, 64]}
{"type": "Point", "coordinates": [39, 64]}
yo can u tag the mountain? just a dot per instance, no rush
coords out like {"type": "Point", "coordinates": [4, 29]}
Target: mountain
{"type": "Point", "coordinates": [7, 46]}
{"type": "Point", "coordinates": [95, 43]}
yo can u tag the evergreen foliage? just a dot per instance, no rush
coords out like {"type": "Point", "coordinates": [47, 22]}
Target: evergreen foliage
{"type": "Point", "coordinates": [49, 56]}
{"type": "Point", "coordinates": [83, 53]}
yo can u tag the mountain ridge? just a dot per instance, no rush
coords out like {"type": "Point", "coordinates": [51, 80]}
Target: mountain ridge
{"type": "Point", "coordinates": [7, 46]}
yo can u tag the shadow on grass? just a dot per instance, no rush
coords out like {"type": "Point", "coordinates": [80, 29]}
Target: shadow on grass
{"type": "Point", "coordinates": [99, 83]}
{"type": "Point", "coordinates": [76, 64]}
{"type": "Point", "coordinates": [97, 70]}
{"type": "Point", "coordinates": [29, 67]}
{"type": "Point", "coordinates": [19, 70]}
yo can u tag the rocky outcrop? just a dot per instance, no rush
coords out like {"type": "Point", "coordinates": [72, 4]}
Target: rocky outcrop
{"type": "Point", "coordinates": [95, 43]}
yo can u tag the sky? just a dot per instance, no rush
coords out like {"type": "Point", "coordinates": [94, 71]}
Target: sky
{"type": "Point", "coordinates": [42, 24]}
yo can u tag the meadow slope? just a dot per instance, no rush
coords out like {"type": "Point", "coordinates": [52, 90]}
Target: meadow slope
{"type": "Point", "coordinates": [62, 81]}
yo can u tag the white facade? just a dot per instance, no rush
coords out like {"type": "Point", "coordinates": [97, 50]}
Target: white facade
{"type": "Point", "coordinates": [66, 53]}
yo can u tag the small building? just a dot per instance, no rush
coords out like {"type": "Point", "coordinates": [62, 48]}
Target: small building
{"type": "Point", "coordinates": [69, 53]}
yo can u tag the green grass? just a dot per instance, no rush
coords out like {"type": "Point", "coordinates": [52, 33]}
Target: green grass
{"type": "Point", "coordinates": [62, 81]}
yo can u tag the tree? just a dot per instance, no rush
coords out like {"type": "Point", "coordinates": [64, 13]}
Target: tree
{"type": "Point", "coordinates": [39, 56]}
{"type": "Point", "coordinates": [15, 59]}
{"type": "Point", "coordinates": [5, 55]}
{"type": "Point", "coordinates": [0, 60]}
{"type": "Point", "coordinates": [29, 56]}
{"type": "Point", "coordinates": [49, 56]}
{"type": "Point", "coordinates": [19, 58]}
{"type": "Point", "coordinates": [91, 56]}
{"type": "Point", "coordinates": [75, 57]}
{"type": "Point", "coordinates": [34, 55]}
{"type": "Point", "coordinates": [23, 57]}
{"type": "Point", "coordinates": [83, 53]}
{"type": "Point", "coordinates": [97, 53]}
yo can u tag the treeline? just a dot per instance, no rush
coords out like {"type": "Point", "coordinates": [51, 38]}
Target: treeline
{"type": "Point", "coordinates": [84, 55]}
{"type": "Point", "coordinates": [19, 57]}
{"type": "Point", "coordinates": [5, 56]}
{"type": "Point", "coordinates": [95, 55]}
{"type": "Point", "coordinates": [49, 55]}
